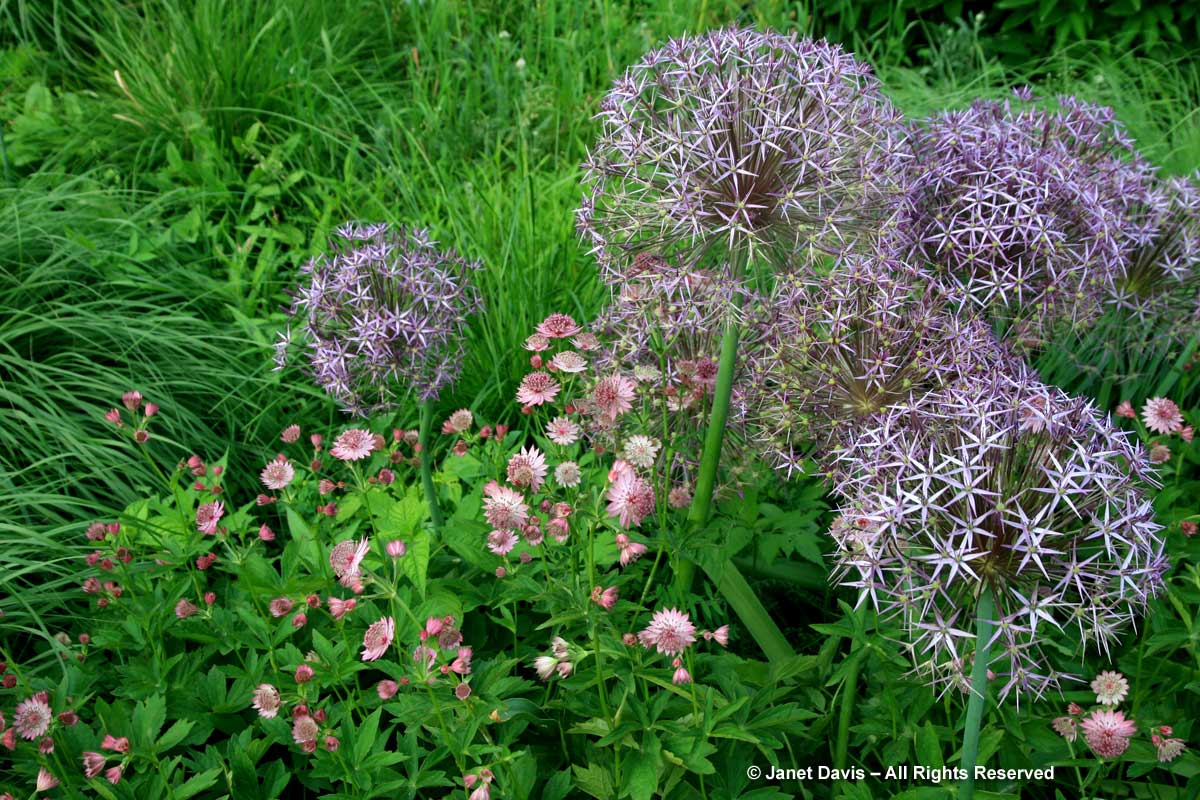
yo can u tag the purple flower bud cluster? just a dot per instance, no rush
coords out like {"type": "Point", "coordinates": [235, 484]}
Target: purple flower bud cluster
{"type": "Point", "coordinates": [1006, 484]}
{"type": "Point", "coordinates": [845, 345]}
{"type": "Point", "coordinates": [741, 143]}
{"type": "Point", "coordinates": [383, 315]}
{"type": "Point", "coordinates": [1019, 210]}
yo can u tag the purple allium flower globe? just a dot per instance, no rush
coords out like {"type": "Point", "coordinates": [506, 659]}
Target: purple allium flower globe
{"type": "Point", "coordinates": [384, 314]}
{"type": "Point", "coordinates": [1019, 209]}
{"type": "Point", "coordinates": [1009, 485]}
{"type": "Point", "coordinates": [844, 346]}
{"type": "Point", "coordinates": [740, 143]}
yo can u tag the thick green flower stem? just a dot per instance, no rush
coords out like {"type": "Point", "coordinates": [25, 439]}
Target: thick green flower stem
{"type": "Point", "coordinates": [979, 679]}
{"type": "Point", "coordinates": [435, 511]}
{"type": "Point", "coordinates": [846, 710]}
{"type": "Point", "coordinates": [710, 459]}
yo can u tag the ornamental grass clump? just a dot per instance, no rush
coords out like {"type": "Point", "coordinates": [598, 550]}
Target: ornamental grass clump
{"type": "Point", "coordinates": [1002, 493]}
{"type": "Point", "coordinates": [1019, 210]}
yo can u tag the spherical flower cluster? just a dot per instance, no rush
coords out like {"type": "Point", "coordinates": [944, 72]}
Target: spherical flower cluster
{"type": "Point", "coordinates": [846, 345]}
{"type": "Point", "coordinates": [670, 632]}
{"type": "Point", "coordinates": [736, 140]}
{"type": "Point", "coordinates": [1019, 209]}
{"type": "Point", "coordinates": [1010, 486]}
{"type": "Point", "coordinates": [384, 314]}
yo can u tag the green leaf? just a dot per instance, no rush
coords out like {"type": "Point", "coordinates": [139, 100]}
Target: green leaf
{"type": "Point", "coordinates": [641, 777]}
{"type": "Point", "coordinates": [364, 737]}
{"type": "Point", "coordinates": [595, 781]}
{"type": "Point", "coordinates": [305, 539]}
{"type": "Point", "coordinates": [929, 750]}
{"type": "Point", "coordinates": [749, 608]}
{"type": "Point", "coordinates": [174, 735]}
{"type": "Point", "coordinates": [148, 717]}
{"type": "Point", "coordinates": [415, 564]}
{"type": "Point", "coordinates": [558, 786]}
{"type": "Point", "coordinates": [197, 784]}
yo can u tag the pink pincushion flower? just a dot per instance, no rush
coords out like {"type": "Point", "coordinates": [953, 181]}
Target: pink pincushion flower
{"type": "Point", "coordinates": [567, 474]}
{"type": "Point", "coordinates": [278, 474]}
{"type": "Point", "coordinates": [266, 700]}
{"type": "Point", "coordinates": [184, 609]}
{"type": "Point", "coordinates": [93, 764]}
{"type": "Point", "coordinates": [528, 468]}
{"type": "Point", "coordinates": [459, 422]}
{"type": "Point", "coordinates": [1167, 749]}
{"type": "Point", "coordinates": [640, 451]}
{"type": "Point", "coordinates": [118, 744]}
{"type": "Point", "coordinates": [304, 673]}
{"type": "Point", "coordinates": [31, 718]}
{"type": "Point", "coordinates": [45, 781]}
{"type": "Point", "coordinates": [537, 388]}
{"type": "Point", "coordinates": [501, 542]}
{"type": "Point", "coordinates": [290, 434]}
{"type": "Point", "coordinates": [281, 606]}
{"type": "Point", "coordinates": [1125, 409]}
{"type": "Point", "coordinates": [1162, 415]}
{"type": "Point", "coordinates": [537, 342]}
{"type": "Point", "coordinates": [721, 635]}
{"type": "Point", "coordinates": [378, 638]}
{"type": "Point", "coordinates": [1108, 732]}
{"type": "Point", "coordinates": [208, 515]}
{"type": "Point", "coordinates": [562, 431]}
{"type": "Point", "coordinates": [568, 361]}
{"type": "Point", "coordinates": [305, 730]}
{"type": "Point", "coordinates": [1066, 728]}
{"type": "Point", "coordinates": [606, 598]}
{"type": "Point", "coordinates": [1187, 433]}
{"type": "Point", "coordinates": [353, 445]}
{"type": "Point", "coordinates": [387, 689]}
{"type": "Point", "coordinates": [630, 550]}
{"type": "Point", "coordinates": [630, 499]}
{"type": "Point", "coordinates": [558, 326]}
{"type": "Point", "coordinates": [669, 631]}
{"type": "Point", "coordinates": [1110, 688]}
{"type": "Point", "coordinates": [462, 662]}
{"type": "Point", "coordinates": [681, 676]}
{"type": "Point", "coordinates": [339, 608]}
{"type": "Point", "coordinates": [503, 507]}
{"type": "Point", "coordinates": [346, 557]}
{"type": "Point", "coordinates": [613, 396]}
{"type": "Point", "coordinates": [113, 774]}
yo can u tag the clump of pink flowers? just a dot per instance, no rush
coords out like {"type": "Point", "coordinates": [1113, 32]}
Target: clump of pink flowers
{"type": "Point", "coordinates": [1107, 730]}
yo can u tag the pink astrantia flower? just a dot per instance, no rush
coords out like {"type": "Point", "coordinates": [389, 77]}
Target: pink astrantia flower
{"type": "Point", "coordinates": [681, 675]}
{"type": "Point", "coordinates": [613, 396]}
{"type": "Point", "coordinates": [1125, 409]}
{"type": "Point", "coordinates": [353, 445]}
{"type": "Point", "coordinates": [669, 631]}
{"type": "Point", "coordinates": [208, 515]}
{"type": "Point", "coordinates": [562, 431]}
{"type": "Point", "coordinates": [278, 474]}
{"type": "Point", "coordinates": [1108, 732]}
{"type": "Point", "coordinates": [462, 662]}
{"type": "Point", "coordinates": [1066, 728]}
{"type": "Point", "coordinates": [1162, 415]}
{"type": "Point", "coordinates": [113, 774]}
{"type": "Point", "coordinates": [721, 635]}
{"type": "Point", "coordinates": [558, 326]}
{"type": "Point", "coordinates": [45, 781]}
{"type": "Point", "coordinates": [339, 608]}
{"type": "Point", "coordinates": [528, 468]}
{"type": "Point", "coordinates": [305, 730]}
{"type": "Point", "coordinates": [387, 689]}
{"type": "Point", "coordinates": [537, 388]}
{"type": "Point", "coordinates": [501, 542]}
{"type": "Point", "coordinates": [378, 638]}
{"type": "Point", "coordinates": [503, 507]}
{"type": "Point", "coordinates": [346, 557]}
{"type": "Point", "coordinates": [93, 764]}
{"type": "Point", "coordinates": [281, 606]}
{"type": "Point", "coordinates": [630, 499]}
{"type": "Point", "coordinates": [31, 718]}
{"type": "Point", "coordinates": [118, 744]}
{"type": "Point", "coordinates": [1167, 749]}
{"type": "Point", "coordinates": [185, 608]}
{"type": "Point", "coordinates": [290, 434]}
{"type": "Point", "coordinates": [640, 451]}
{"type": "Point", "coordinates": [1187, 433]}
{"type": "Point", "coordinates": [567, 474]}
{"type": "Point", "coordinates": [266, 700]}
{"type": "Point", "coordinates": [631, 551]}
{"type": "Point", "coordinates": [545, 666]}
{"type": "Point", "coordinates": [537, 342]}
{"type": "Point", "coordinates": [568, 361]}
{"type": "Point", "coordinates": [1110, 688]}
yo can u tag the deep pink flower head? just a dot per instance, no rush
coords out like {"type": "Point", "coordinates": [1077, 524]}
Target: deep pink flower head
{"type": "Point", "coordinates": [339, 608]}
{"type": "Point", "coordinates": [113, 774]}
{"type": "Point", "coordinates": [504, 508]}
{"type": "Point", "coordinates": [631, 499]}
{"type": "Point", "coordinates": [528, 468]}
{"type": "Point", "coordinates": [208, 515]}
{"type": "Point", "coordinates": [1108, 732]}
{"type": "Point", "coordinates": [185, 608]}
{"type": "Point", "coordinates": [32, 717]}
{"type": "Point", "coordinates": [558, 326]}
{"type": "Point", "coordinates": [670, 631]}
{"type": "Point", "coordinates": [347, 556]}
{"type": "Point", "coordinates": [537, 388]}
{"type": "Point", "coordinates": [387, 689]}
{"type": "Point", "coordinates": [613, 396]}
{"type": "Point", "coordinates": [93, 764]}
{"type": "Point", "coordinates": [354, 444]}
{"type": "Point", "coordinates": [1162, 415]}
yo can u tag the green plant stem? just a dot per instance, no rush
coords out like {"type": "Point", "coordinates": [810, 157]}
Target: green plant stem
{"type": "Point", "coordinates": [979, 678]}
{"type": "Point", "coordinates": [710, 458]}
{"type": "Point", "coordinates": [846, 710]}
{"type": "Point", "coordinates": [435, 511]}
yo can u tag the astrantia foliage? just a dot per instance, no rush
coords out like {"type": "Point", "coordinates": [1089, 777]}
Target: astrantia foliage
{"type": "Point", "coordinates": [736, 140]}
{"type": "Point", "coordinates": [1011, 486]}
{"type": "Point", "coordinates": [383, 315]}
{"type": "Point", "coordinates": [1019, 209]}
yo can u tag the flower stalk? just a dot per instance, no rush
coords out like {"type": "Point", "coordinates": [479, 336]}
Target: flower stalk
{"type": "Point", "coordinates": [435, 511]}
{"type": "Point", "coordinates": [979, 679]}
